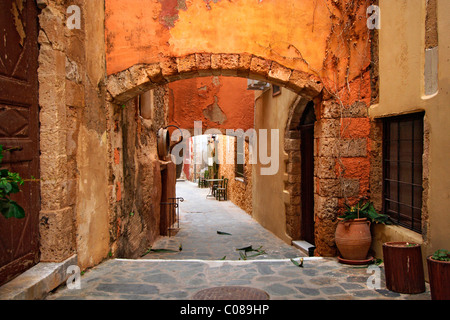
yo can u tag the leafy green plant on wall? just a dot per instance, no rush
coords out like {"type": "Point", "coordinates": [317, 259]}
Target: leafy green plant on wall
{"type": "Point", "coordinates": [9, 184]}
{"type": "Point", "coordinates": [365, 209]}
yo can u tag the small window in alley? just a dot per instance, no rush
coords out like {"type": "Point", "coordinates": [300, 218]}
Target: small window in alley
{"type": "Point", "coordinates": [402, 164]}
{"type": "Point", "coordinates": [239, 157]}
{"type": "Point", "coordinates": [276, 90]}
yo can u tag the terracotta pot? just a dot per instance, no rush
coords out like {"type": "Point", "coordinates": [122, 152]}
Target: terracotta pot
{"type": "Point", "coordinates": [439, 274]}
{"type": "Point", "coordinates": [353, 238]}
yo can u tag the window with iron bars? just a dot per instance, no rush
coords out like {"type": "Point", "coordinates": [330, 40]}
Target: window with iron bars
{"type": "Point", "coordinates": [402, 170]}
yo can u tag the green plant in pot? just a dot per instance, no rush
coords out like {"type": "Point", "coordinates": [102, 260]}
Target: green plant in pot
{"type": "Point", "coordinates": [9, 184]}
{"type": "Point", "coordinates": [439, 274]}
{"type": "Point", "coordinates": [353, 237]}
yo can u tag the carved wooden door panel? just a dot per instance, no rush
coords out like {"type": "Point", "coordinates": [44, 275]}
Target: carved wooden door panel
{"type": "Point", "coordinates": [19, 130]}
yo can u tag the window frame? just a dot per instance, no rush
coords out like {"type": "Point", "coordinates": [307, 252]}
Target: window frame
{"type": "Point", "coordinates": [412, 222]}
{"type": "Point", "coordinates": [237, 172]}
{"type": "Point", "coordinates": [276, 90]}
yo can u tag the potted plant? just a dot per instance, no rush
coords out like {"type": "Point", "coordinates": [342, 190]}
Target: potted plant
{"type": "Point", "coordinates": [439, 274]}
{"type": "Point", "coordinates": [353, 237]}
{"type": "Point", "coordinates": [9, 184]}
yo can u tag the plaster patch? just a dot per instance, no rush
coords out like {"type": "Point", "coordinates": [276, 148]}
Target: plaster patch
{"type": "Point", "coordinates": [214, 113]}
{"type": "Point", "coordinates": [169, 11]}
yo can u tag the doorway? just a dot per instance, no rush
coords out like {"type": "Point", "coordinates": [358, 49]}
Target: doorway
{"type": "Point", "coordinates": [307, 172]}
{"type": "Point", "coordinates": [19, 133]}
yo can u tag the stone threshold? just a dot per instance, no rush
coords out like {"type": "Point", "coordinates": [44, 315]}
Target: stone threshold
{"type": "Point", "coordinates": [38, 281]}
{"type": "Point", "coordinates": [304, 246]}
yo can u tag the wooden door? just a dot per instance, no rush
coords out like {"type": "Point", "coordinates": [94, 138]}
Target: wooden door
{"type": "Point", "coordinates": [307, 173]}
{"type": "Point", "coordinates": [19, 129]}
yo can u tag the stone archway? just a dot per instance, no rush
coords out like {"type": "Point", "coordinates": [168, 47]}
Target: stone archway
{"type": "Point", "coordinates": [125, 85]}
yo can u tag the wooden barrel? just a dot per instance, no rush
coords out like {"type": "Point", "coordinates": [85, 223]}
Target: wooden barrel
{"type": "Point", "coordinates": [403, 267]}
{"type": "Point", "coordinates": [439, 274]}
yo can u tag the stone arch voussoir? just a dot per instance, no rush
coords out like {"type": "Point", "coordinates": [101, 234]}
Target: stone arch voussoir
{"type": "Point", "coordinates": [127, 84]}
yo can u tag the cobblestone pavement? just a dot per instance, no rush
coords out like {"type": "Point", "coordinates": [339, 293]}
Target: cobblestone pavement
{"type": "Point", "coordinates": [180, 274]}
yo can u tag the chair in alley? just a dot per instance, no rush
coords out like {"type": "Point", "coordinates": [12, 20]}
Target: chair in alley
{"type": "Point", "coordinates": [221, 191]}
{"type": "Point", "coordinates": [216, 184]}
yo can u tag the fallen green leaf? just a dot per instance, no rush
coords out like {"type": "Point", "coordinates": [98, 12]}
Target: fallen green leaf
{"type": "Point", "coordinates": [257, 254]}
{"type": "Point", "coordinates": [300, 265]}
{"type": "Point", "coordinates": [246, 249]}
{"type": "Point", "coordinates": [162, 250]}
{"type": "Point", "coordinates": [243, 256]}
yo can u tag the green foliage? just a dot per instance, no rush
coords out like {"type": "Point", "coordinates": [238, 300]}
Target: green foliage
{"type": "Point", "coordinates": [9, 184]}
{"type": "Point", "coordinates": [243, 252]}
{"type": "Point", "coordinates": [441, 255]}
{"type": "Point", "coordinates": [365, 209]}
{"type": "Point", "coordinates": [298, 264]}
{"type": "Point", "coordinates": [223, 233]}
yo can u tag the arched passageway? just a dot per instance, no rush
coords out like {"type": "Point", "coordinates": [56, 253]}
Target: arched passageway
{"type": "Point", "coordinates": [319, 50]}
{"type": "Point", "coordinates": [311, 69]}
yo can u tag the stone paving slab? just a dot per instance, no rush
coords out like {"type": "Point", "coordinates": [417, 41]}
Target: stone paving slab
{"type": "Point", "coordinates": [179, 275]}
{"type": "Point", "coordinates": [200, 220]}
{"type": "Point", "coordinates": [319, 278]}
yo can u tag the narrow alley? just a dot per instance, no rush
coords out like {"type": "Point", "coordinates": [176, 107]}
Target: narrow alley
{"type": "Point", "coordinates": [209, 259]}
{"type": "Point", "coordinates": [321, 132]}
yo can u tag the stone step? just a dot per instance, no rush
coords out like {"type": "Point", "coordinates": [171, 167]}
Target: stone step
{"type": "Point", "coordinates": [304, 246]}
{"type": "Point", "coordinates": [38, 281]}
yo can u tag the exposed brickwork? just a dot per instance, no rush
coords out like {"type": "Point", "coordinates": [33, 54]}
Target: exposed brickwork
{"type": "Point", "coordinates": [341, 170]}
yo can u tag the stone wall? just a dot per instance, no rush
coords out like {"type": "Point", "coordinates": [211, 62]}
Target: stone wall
{"type": "Point", "coordinates": [239, 188]}
{"type": "Point", "coordinates": [135, 180]}
{"type": "Point", "coordinates": [74, 159]}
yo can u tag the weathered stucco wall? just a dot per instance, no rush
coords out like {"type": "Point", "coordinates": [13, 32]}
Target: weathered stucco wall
{"type": "Point", "coordinates": [302, 35]}
{"type": "Point", "coordinates": [269, 193]}
{"type": "Point", "coordinates": [403, 38]}
{"type": "Point", "coordinates": [218, 102]}
{"type": "Point", "coordinates": [135, 180]}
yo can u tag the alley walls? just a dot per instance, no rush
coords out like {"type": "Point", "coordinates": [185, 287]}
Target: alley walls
{"type": "Point", "coordinates": [316, 49]}
{"type": "Point", "coordinates": [402, 91]}
{"type": "Point", "coordinates": [269, 194]}
{"type": "Point", "coordinates": [73, 135]}
{"type": "Point", "coordinates": [96, 140]}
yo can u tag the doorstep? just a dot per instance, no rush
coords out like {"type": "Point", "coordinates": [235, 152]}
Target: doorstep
{"type": "Point", "coordinates": [38, 281]}
{"type": "Point", "coordinates": [304, 246]}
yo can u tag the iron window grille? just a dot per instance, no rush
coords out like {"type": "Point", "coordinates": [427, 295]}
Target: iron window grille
{"type": "Point", "coordinates": [402, 170]}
